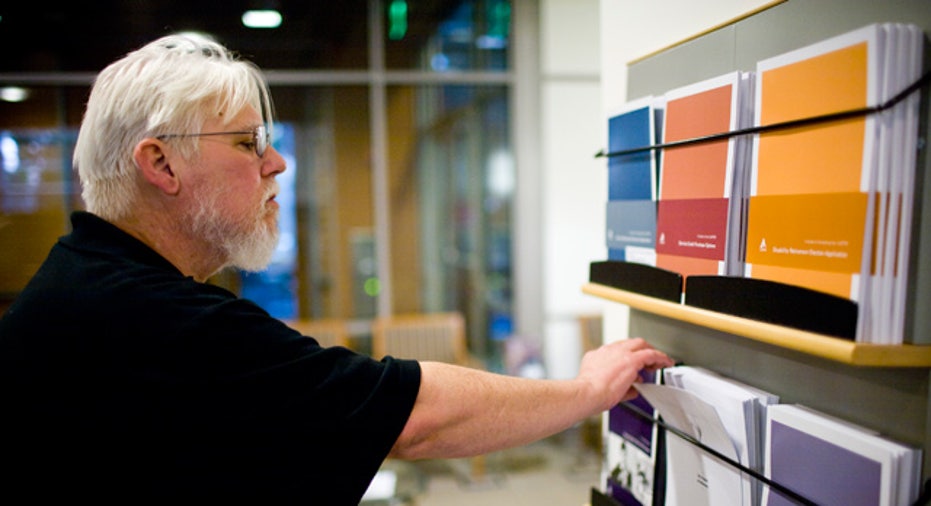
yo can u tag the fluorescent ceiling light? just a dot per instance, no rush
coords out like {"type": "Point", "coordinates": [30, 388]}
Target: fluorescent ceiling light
{"type": "Point", "coordinates": [13, 94]}
{"type": "Point", "coordinates": [261, 19]}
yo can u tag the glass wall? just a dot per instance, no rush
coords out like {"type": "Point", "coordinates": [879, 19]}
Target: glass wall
{"type": "Point", "coordinates": [429, 80]}
{"type": "Point", "coordinates": [453, 182]}
{"type": "Point", "coordinates": [330, 161]}
{"type": "Point", "coordinates": [38, 190]}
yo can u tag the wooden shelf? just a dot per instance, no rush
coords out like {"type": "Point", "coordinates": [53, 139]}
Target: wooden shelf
{"type": "Point", "coordinates": [819, 345]}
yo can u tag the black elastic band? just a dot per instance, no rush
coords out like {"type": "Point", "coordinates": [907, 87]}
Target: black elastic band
{"type": "Point", "coordinates": [825, 118]}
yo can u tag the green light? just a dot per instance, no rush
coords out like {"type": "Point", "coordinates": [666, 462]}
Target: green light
{"type": "Point", "coordinates": [372, 287]}
{"type": "Point", "coordinates": [397, 19]}
{"type": "Point", "coordinates": [499, 15]}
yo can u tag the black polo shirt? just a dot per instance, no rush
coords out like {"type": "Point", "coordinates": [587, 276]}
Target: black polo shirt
{"type": "Point", "coordinates": [123, 379]}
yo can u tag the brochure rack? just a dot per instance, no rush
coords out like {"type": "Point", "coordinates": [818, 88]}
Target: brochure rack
{"type": "Point", "coordinates": [786, 494]}
{"type": "Point", "coordinates": [886, 388]}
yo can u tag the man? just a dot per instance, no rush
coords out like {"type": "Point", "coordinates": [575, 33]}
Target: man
{"type": "Point", "coordinates": [126, 377]}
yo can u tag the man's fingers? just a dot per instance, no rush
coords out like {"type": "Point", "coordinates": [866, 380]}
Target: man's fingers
{"type": "Point", "coordinates": [655, 359]}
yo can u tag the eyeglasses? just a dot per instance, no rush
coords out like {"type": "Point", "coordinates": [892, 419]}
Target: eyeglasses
{"type": "Point", "coordinates": [260, 137]}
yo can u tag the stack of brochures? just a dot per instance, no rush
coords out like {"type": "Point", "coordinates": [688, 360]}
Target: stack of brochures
{"type": "Point", "coordinates": [802, 173]}
{"type": "Point", "coordinates": [632, 181]}
{"type": "Point", "coordinates": [673, 208]}
{"type": "Point", "coordinates": [831, 202]}
{"type": "Point", "coordinates": [730, 443]}
{"type": "Point", "coordinates": [721, 414]}
{"type": "Point", "coordinates": [634, 452]}
{"type": "Point", "coordinates": [701, 186]}
{"type": "Point", "coordinates": [831, 461]}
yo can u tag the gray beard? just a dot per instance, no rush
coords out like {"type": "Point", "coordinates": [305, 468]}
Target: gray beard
{"type": "Point", "coordinates": [245, 247]}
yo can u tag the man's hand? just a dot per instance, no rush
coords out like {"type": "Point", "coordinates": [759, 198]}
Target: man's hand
{"type": "Point", "coordinates": [613, 368]}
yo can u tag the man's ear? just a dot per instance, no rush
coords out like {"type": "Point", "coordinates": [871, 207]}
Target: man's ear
{"type": "Point", "coordinates": [151, 158]}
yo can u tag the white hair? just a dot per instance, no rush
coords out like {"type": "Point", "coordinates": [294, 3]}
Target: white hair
{"type": "Point", "coordinates": [170, 86]}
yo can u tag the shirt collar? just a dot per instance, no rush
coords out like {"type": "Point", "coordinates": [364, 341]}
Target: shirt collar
{"type": "Point", "coordinates": [92, 233]}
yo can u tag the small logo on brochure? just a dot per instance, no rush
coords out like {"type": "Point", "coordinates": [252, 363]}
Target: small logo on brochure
{"type": "Point", "coordinates": [763, 246]}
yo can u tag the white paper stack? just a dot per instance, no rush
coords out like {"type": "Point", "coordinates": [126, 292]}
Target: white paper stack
{"type": "Point", "coordinates": [897, 185]}
{"type": "Point", "coordinates": [742, 409]}
{"type": "Point", "coordinates": [721, 413]}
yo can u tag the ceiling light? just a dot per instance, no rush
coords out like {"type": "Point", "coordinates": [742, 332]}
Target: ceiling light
{"type": "Point", "coordinates": [13, 94]}
{"type": "Point", "coordinates": [9, 151]}
{"type": "Point", "coordinates": [261, 19]}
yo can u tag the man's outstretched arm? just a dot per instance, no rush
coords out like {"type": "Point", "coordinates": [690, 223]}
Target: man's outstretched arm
{"type": "Point", "coordinates": [462, 412]}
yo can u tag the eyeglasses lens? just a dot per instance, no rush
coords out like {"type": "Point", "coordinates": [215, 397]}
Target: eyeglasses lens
{"type": "Point", "coordinates": [261, 140]}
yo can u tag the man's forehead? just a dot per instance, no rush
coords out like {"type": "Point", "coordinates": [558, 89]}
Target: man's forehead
{"type": "Point", "coordinates": [248, 117]}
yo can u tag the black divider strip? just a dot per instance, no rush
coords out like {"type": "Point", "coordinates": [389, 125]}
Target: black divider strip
{"type": "Point", "coordinates": [785, 125]}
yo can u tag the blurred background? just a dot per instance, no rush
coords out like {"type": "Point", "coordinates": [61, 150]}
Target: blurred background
{"type": "Point", "coordinates": [416, 139]}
